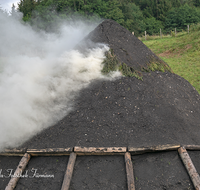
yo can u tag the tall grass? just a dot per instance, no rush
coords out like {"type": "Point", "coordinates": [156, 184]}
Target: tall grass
{"type": "Point", "coordinates": [182, 53]}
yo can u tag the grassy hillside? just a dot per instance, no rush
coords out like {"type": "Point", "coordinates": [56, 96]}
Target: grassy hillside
{"type": "Point", "coordinates": [182, 53]}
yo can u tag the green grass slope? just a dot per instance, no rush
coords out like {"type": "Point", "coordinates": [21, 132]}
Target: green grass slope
{"type": "Point", "coordinates": [182, 53]}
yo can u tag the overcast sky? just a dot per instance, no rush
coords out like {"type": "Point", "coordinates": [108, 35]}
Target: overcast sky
{"type": "Point", "coordinates": [7, 4]}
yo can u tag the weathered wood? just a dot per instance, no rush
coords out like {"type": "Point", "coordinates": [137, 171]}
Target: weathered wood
{"type": "Point", "coordinates": [100, 150]}
{"type": "Point", "coordinates": [50, 151]}
{"type": "Point", "coordinates": [18, 172]}
{"type": "Point", "coordinates": [143, 150]}
{"type": "Point", "coordinates": [13, 152]}
{"type": "Point", "coordinates": [190, 167]}
{"type": "Point", "coordinates": [69, 172]}
{"type": "Point", "coordinates": [192, 147]}
{"type": "Point", "coordinates": [129, 171]}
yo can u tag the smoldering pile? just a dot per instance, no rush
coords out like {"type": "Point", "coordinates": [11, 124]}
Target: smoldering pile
{"type": "Point", "coordinates": [161, 108]}
{"type": "Point", "coordinates": [149, 106]}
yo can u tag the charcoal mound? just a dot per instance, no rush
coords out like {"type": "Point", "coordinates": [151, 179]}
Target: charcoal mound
{"type": "Point", "coordinates": [163, 108]}
{"type": "Point", "coordinates": [127, 47]}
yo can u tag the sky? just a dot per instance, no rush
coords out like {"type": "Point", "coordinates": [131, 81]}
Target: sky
{"type": "Point", "coordinates": [7, 4]}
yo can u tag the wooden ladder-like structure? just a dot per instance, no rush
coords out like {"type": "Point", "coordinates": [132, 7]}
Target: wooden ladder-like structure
{"type": "Point", "coordinates": [83, 151]}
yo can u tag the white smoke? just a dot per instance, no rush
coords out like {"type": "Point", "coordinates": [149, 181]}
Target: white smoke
{"type": "Point", "coordinates": [39, 76]}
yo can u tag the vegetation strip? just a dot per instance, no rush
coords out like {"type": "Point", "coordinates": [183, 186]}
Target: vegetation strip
{"type": "Point", "coordinates": [111, 63]}
{"type": "Point", "coordinates": [129, 171]}
{"type": "Point", "coordinates": [69, 172]}
{"type": "Point", "coordinates": [149, 16]}
{"type": "Point", "coordinates": [190, 167]}
{"type": "Point", "coordinates": [18, 172]}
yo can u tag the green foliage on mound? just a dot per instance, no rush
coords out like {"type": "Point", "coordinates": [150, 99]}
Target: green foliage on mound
{"type": "Point", "coordinates": [111, 63]}
{"type": "Point", "coordinates": [130, 71]}
{"type": "Point", "coordinates": [157, 65]}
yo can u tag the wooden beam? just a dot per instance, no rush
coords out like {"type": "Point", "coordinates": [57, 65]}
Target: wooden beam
{"type": "Point", "coordinates": [13, 152]}
{"type": "Point", "coordinates": [190, 167]}
{"type": "Point", "coordinates": [143, 150]}
{"type": "Point", "coordinates": [69, 172]}
{"type": "Point", "coordinates": [129, 171]}
{"type": "Point", "coordinates": [100, 150]}
{"type": "Point", "coordinates": [192, 147]}
{"type": "Point", "coordinates": [18, 172]}
{"type": "Point", "coordinates": [50, 151]}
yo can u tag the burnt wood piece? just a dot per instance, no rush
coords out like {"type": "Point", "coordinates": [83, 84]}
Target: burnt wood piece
{"type": "Point", "coordinates": [192, 147]}
{"type": "Point", "coordinates": [50, 151]}
{"type": "Point", "coordinates": [129, 171]}
{"type": "Point", "coordinates": [18, 172]}
{"type": "Point", "coordinates": [143, 150]}
{"type": "Point", "coordinates": [13, 152]}
{"type": "Point", "coordinates": [69, 172]}
{"type": "Point", "coordinates": [190, 167]}
{"type": "Point", "coordinates": [100, 150]}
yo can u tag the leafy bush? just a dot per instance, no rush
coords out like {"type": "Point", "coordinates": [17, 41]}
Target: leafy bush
{"type": "Point", "coordinates": [153, 26]}
{"type": "Point", "coordinates": [181, 17]}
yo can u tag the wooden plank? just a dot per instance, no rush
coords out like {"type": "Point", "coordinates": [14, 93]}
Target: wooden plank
{"type": "Point", "coordinates": [143, 150]}
{"type": "Point", "coordinates": [13, 152]}
{"type": "Point", "coordinates": [69, 172]}
{"type": "Point", "coordinates": [192, 147]}
{"type": "Point", "coordinates": [18, 172]}
{"type": "Point", "coordinates": [50, 151]}
{"type": "Point", "coordinates": [100, 150]}
{"type": "Point", "coordinates": [190, 167]}
{"type": "Point", "coordinates": [129, 171]}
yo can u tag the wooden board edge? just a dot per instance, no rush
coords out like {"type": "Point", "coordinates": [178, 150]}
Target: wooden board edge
{"type": "Point", "coordinates": [48, 154]}
{"type": "Point", "coordinates": [100, 150]}
{"type": "Point", "coordinates": [142, 150]}
{"type": "Point", "coordinates": [69, 172]}
{"type": "Point", "coordinates": [20, 168]}
{"type": "Point", "coordinates": [189, 167]}
{"type": "Point", "coordinates": [99, 154]}
{"type": "Point", "coordinates": [192, 147]}
{"type": "Point", "coordinates": [129, 171]}
{"type": "Point", "coordinates": [50, 151]}
{"type": "Point", "coordinates": [11, 154]}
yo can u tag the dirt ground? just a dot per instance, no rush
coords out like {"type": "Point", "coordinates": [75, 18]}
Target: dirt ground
{"type": "Point", "coordinates": [162, 109]}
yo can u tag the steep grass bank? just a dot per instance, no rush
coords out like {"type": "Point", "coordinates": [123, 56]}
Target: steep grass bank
{"type": "Point", "coordinates": [182, 53]}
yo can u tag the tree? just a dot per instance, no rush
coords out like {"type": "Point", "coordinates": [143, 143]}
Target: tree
{"type": "Point", "coordinates": [133, 18]}
{"type": "Point", "coordinates": [26, 7]}
{"type": "Point", "coordinates": [196, 3]}
{"type": "Point", "coordinates": [13, 11]}
{"type": "Point", "coordinates": [181, 17]}
{"type": "Point", "coordinates": [153, 26]}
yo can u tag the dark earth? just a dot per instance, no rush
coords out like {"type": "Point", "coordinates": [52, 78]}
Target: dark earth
{"type": "Point", "coordinates": [162, 109]}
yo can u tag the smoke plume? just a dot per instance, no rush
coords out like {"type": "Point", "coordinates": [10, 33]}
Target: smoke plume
{"type": "Point", "coordinates": [40, 74]}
